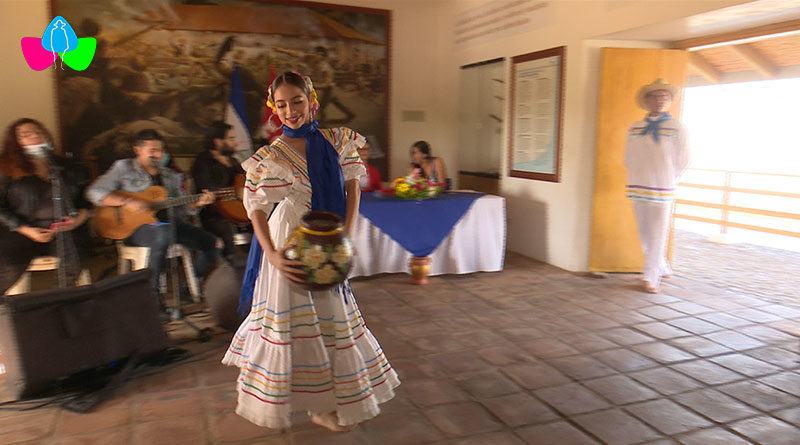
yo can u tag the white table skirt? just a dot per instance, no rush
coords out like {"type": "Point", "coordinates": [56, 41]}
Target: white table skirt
{"type": "Point", "coordinates": [477, 243]}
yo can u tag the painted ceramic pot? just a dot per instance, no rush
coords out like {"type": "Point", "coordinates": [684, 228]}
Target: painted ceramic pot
{"type": "Point", "coordinates": [320, 243]}
{"type": "Point", "coordinates": [420, 268]}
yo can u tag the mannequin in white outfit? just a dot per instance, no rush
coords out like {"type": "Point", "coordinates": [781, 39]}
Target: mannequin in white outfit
{"type": "Point", "coordinates": [656, 153]}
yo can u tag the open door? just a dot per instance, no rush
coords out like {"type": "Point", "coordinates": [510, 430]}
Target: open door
{"type": "Point", "coordinates": [615, 243]}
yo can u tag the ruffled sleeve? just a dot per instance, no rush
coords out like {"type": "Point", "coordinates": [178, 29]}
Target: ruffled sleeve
{"type": "Point", "coordinates": [268, 180]}
{"type": "Point", "coordinates": [347, 142]}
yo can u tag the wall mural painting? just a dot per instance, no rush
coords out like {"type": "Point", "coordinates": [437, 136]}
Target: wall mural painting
{"type": "Point", "coordinates": [166, 64]}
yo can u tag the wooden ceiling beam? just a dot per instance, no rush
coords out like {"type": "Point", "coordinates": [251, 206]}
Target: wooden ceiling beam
{"type": "Point", "coordinates": [744, 34]}
{"type": "Point", "coordinates": [706, 69]}
{"type": "Point", "coordinates": [755, 59]}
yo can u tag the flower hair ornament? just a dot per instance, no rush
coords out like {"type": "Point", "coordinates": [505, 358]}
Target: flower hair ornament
{"type": "Point", "coordinates": [312, 96]}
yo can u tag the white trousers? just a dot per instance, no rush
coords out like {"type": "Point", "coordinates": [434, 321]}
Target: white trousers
{"type": "Point", "coordinates": [652, 219]}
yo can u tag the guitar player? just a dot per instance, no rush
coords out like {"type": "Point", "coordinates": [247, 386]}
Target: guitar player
{"type": "Point", "coordinates": [216, 168]}
{"type": "Point", "coordinates": [139, 173]}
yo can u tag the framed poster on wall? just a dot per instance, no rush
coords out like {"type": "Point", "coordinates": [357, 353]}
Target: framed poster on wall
{"type": "Point", "coordinates": [167, 65]}
{"type": "Point", "coordinates": [536, 107]}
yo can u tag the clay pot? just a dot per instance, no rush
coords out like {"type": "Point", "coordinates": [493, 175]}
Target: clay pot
{"type": "Point", "coordinates": [326, 252]}
{"type": "Point", "coordinates": [420, 268]}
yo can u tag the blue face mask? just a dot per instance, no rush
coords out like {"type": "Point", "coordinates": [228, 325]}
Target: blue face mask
{"type": "Point", "coordinates": [164, 160]}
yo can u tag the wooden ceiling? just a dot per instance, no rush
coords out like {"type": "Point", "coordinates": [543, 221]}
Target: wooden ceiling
{"type": "Point", "coordinates": [766, 52]}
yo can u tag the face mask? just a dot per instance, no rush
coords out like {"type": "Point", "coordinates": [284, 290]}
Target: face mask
{"type": "Point", "coordinates": [38, 150]}
{"type": "Point", "coordinates": [164, 160]}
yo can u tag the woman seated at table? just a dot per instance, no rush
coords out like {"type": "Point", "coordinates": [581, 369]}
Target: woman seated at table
{"type": "Point", "coordinates": [372, 180]}
{"type": "Point", "coordinates": [430, 167]}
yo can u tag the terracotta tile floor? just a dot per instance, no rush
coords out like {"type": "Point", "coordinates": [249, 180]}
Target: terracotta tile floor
{"type": "Point", "coordinates": [531, 355]}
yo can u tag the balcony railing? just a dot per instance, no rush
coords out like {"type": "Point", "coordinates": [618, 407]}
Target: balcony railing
{"type": "Point", "coordinates": [763, 202]}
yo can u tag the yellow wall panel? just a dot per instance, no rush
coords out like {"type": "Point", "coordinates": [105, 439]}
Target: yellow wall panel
{"type": "Point", "coordinates": [614, 241]}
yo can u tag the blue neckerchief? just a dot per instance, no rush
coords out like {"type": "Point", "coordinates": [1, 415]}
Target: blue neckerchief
{"type": "Point", "coordinates": [327, 193]}
{"type": "Point", "coordinates": [653, 125]}
{"type": "Point", "coordinates": [324, 170]}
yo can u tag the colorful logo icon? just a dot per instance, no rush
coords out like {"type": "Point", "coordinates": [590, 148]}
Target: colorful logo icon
{"type": "Point", "coordinates": [59, 40]}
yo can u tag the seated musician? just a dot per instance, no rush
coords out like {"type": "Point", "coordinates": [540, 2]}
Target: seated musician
{"type": "Point", "coordinates": [139, 173]}
{"type": "Point", "coordinates": [216, 168]}
{"type": "Point", "coordinates": [30, 173]}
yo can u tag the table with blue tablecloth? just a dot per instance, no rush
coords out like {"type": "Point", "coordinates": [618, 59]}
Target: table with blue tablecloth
{"type": "Point", "coordinates": [462, 232]}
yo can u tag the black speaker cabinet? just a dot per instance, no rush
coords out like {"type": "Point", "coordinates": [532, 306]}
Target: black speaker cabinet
{"type": "Point", "coordinates": [47, 336]}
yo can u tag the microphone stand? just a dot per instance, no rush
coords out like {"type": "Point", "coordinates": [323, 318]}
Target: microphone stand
{"type": "Point", "coordinates": [176, 313]}
{"type": "Point", "coordinates": [61, 205]}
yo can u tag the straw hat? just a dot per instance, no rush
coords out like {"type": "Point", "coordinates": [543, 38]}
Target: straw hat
{"type": "Point", "coordinates": [659, 84]}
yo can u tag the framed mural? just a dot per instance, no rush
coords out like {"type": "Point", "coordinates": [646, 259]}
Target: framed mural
{"type": "Point", "coordinates": [167, 64]}
{"type": "Point", "coordinates": [537, 95]}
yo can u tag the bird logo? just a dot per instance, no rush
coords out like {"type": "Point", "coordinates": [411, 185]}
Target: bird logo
{"type": "Point", "coordinates": [59, 41]}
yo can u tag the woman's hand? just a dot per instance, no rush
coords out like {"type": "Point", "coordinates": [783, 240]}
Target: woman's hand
{"type": "Point", "coordinates": [72, 222]}
{"type": "Point", "coordinates": [288, 268]}
{"type": "Point", "coordinates": [277, 257]}
{"type": "Point", "coordinates": [37, 234]}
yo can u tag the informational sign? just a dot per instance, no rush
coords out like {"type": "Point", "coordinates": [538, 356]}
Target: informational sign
{"type": "Point", "coordinates": [536, 99]}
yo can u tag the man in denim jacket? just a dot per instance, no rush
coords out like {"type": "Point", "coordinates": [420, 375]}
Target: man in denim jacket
{"type": "Point", "coordinates": [139, 173]}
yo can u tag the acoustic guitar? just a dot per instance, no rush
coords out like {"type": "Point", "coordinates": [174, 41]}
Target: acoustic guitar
{"type": "Point", "coordinates": [233, 209]}
{"type": "Point", "coordinates": [119, 223]}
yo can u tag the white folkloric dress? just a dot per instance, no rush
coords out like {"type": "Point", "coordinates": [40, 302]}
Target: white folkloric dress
{"type": "Point", "coordinates": [300, 350]}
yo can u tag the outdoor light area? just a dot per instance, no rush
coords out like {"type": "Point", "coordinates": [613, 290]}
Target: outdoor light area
{"type": "Point", "coordinates": [743, 182]}
{"type": "Point", "coordinates": [737, 217]}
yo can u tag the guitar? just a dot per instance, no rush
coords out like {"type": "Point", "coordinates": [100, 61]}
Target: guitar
{"type": "Point", "coordinates": [119, 223]}
{"type": "Point", "coordinates": [233, 209]}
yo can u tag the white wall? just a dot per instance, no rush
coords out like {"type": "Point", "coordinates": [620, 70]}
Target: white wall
{"type": "Point", "coordinates": [24, 92]}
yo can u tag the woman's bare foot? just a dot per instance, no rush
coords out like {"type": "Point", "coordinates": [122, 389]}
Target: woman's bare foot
{"type": "Point", "coordinates": [330, 421]}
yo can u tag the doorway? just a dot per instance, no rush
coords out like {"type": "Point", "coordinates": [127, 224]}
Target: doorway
{"type": "Point", "coordinates": [737, 217]}
{"type": "Point", "coordinates": [766, 60]}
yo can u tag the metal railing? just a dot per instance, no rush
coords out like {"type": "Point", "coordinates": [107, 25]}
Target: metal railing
{"type": "Point", "coordinates": [730, 190]}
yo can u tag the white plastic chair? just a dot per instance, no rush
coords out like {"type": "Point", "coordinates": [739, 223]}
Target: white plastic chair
{"type": "Point", "coordinates": [139, 258]}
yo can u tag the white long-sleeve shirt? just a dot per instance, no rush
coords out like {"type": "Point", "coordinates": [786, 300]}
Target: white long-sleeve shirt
{"type": "Point", "coordinates": [654, 167]}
